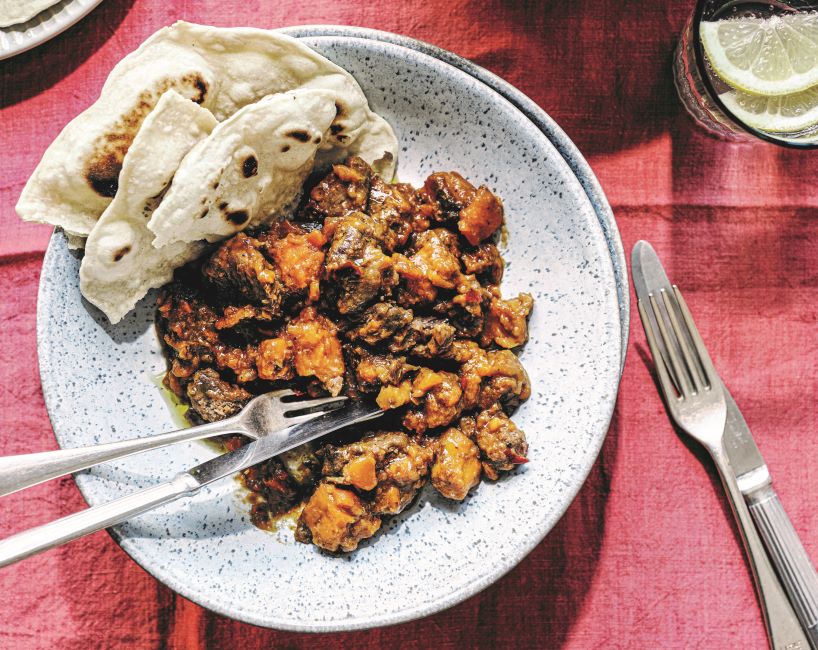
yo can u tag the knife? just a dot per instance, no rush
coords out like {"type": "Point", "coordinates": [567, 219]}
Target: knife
{"type": "Point", "coordinates": [785, 548]}
{"type": "Point", "coordinates": [60, 531]}
{"type": "Point", "coordinates": [783, 627]}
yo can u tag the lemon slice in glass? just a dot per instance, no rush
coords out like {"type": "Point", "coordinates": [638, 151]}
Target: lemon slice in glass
{"type": "Point", "coordinates": [764, 56]}
{"type": "Point", "coordinates": [794, 113]}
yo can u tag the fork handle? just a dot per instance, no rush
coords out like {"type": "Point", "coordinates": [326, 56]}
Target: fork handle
{"type": "Point", "coordinates": [25, 470]}
{"type": "Point", "coordinates": [90, 520]}
{"type": "Point", "coordinates": [788, 555]}
{"type": "Point", "coordinates": [783, 628]}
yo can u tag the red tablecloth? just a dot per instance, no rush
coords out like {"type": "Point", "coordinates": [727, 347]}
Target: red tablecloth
{"type": "Point", "coordinates": [647, 556]}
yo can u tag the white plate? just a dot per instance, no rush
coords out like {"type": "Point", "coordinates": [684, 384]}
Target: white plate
{"type": "Point", "coordinates": [15, 39]}
{"type": "Point", "coordinates": [98, 381]}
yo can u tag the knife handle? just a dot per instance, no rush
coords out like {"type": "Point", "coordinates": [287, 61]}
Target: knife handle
{"type": "Point", "coordinates": [783, 627]}
{"type": "Point", "coordinates": [788, 555]}
{"type": "Point", "coordinates": [90, 520]}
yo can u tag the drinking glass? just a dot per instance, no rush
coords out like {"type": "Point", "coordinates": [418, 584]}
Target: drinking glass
{"type": "Point", "coordinates": [706, 95]}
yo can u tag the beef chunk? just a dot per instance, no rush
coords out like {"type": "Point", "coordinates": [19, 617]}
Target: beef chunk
{"type": "Point", "coordinates": [507, 321]}
{"type": "Point", "coordinates": [238, 268]}
{"type": "Point", "coordinates": [187, 326]}
{"type": "Point", "coordinates": [356, 265]}
{"type": "Point", "coordinates": [456, 469]}
{"type": "Point", "coordinates": [344, 190]}
{"type": "Point", "coordinates": [449, 192]}
{"type": "Point", "coordinates": [373, 371]}
{"type": "Point", "coordinates": [393, 207]}
{"type": "Point", "coordinates": [391, 464]}
{"type": "Point", "coordinates": [214, 399]}
{"type": "Point", "coordinates": [426, 337]}
{"type": "Point", "coordinates": [436, 396]}
{"type": "Point", "coordinates": [485, 262]}
{"type": "Point", "coordinates": [466, 309]}
{"type": "Point", "coordinates": [502, 445]}
{"type": "Point", "coordinates": [381, 322]}
{"type": "Point", "coordinates": [401, 332]}
{"type": "Point", "coordinates": [490, 377]}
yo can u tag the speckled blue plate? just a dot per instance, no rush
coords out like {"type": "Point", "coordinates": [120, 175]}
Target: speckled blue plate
{"type": "Point", "coordinates": [100, 382]}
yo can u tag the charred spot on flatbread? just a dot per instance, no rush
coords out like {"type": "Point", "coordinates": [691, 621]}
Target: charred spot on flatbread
{"type": "Point", "coordinates": [122, 252]}
{"type": "Point", "coordinates": [249, 167]}
{"type": "Point", "coordinates": [298, 134]}
{"type": "Point", "coordinates": [103, 167]}
{"type": "Point", "coordinates": [238, 217]}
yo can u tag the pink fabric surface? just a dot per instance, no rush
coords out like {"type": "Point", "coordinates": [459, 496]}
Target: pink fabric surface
{"type": "Point", "coordinates": [647, 556]}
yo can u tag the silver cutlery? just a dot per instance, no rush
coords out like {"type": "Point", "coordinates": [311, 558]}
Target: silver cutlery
{"type": "Point", "coordinates": [783, 545]}
{"type": "Point", "coordinates": [261, 415]}
{"type": "Point", "coordinates": [701, 406]}
{"type": "Point", "coordinates": [41, 538]}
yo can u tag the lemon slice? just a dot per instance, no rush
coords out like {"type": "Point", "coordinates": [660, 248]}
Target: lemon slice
{"type": "Point", "coordinates": [785, 114]}
{"type": "Point", "coordinates": [764, 56]}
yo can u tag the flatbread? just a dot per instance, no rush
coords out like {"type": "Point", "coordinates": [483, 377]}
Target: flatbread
{"type": "Point", "coordinates": [248, 171]}
{"type": "Point", "coordinates": [14, 12]}
{"type": "Point", "coordinates": [121, 264]}
{"type": "Point", "coordinates": [223, 69]}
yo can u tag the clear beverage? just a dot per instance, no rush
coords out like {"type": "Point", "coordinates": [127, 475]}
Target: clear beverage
{"type": "Point", "coordinates": [706, 95]}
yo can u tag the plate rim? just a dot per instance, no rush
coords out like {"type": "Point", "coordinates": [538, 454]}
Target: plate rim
{"type": "Point", "coordinates": [475, 586]}
{"type": "Point", "coordinates": [59, 26]}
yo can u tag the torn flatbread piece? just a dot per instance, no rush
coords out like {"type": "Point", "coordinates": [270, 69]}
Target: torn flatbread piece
{"type": "Point", "coordinates": [249, 171]}
{"type": "Point", "coordinates": [120, 263]}
{"type": "Point", "coordinates": [223, 70]}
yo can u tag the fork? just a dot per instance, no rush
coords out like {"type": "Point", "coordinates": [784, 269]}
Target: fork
{"type": "Point", "coordinates": [262, 415]}
{"type": "Point", "coordinates": [696, 401]}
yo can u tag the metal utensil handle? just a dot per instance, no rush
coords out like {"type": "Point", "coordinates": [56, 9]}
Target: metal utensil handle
{"type": "Point", "coordinates": [60, 531]}
{"type": "Point", "coordinates": [783, 628]}
{"type": "Point", "coordinates": [788, 555]}
{"type": "Point", "coordinates": [25, 470]}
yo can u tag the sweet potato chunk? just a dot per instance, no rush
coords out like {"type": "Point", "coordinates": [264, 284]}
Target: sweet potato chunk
{"type": "Point", "coordinates": [316, 349]}
{"type": "Point", "coordinates": [481, 217]}
{"type": "Point", "coordinates": [336, 519]}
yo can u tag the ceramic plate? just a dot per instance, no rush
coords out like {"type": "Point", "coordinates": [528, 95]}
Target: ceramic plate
{"type": "Point", "coordinates": [100, 384]}
{"type": "Point", "coordinates": [15, 39]}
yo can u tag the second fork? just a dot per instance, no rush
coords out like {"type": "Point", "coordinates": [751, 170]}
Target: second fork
{"type": "Point", "coordinates": [262, 415]}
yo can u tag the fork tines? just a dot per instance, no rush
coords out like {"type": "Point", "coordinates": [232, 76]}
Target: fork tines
{"type": "Point", "coordinates": [294, 407]}
{"type": "Point", "coordinates": [681, 360]}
